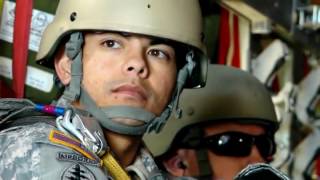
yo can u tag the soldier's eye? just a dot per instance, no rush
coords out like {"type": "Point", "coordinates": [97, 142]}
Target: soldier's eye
{"type": "Point", "coordinates": [158, 53]}
{"type": "Point", "coordinates": [110, 43]}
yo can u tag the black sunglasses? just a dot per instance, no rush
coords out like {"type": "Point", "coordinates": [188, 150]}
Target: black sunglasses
{"type": "Point", "coordinates": [238, 144]}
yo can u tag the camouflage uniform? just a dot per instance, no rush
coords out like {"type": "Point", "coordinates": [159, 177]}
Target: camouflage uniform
{"type": "Point", "coordinates": [28, 149]}
{"type": "Point", "coordinates": [27, 153]}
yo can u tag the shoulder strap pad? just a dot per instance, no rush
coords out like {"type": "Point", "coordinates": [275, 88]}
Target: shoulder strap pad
{"type": "Point", "coordinates": [13, 109]}
{"type": "Point", "coordinates": [11, 105]}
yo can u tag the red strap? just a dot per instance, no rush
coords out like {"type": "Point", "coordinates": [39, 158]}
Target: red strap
{"type": "Point", "coordinates": [226, 40]}
{"type": "Point", "coordinates": [236, 42]}
{"type": "Point", "coordinates": [224, 36]}
{"type": "Point", "coordinates": [22, 23]}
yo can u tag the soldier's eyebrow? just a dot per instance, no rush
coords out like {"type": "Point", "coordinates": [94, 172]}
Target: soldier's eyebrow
{"type": "Point", "coordinates": [155, 41]}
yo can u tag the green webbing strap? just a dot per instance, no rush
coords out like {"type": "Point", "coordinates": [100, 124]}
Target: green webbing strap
{"type": "Point", "coordinates": [128, 111]}
{"type": "Point", "coordinates": [157, 124]}
{"type": "Point", "coordinates": [192, 139]}
{"type": "Point", "coordinates": [74, 52]}
{"type": "Point", "coordinates": [106, 115]}
{"type": "Point", "coordinates": [183, 75]}
{"type": "Point", "coordinates": [203, 164]}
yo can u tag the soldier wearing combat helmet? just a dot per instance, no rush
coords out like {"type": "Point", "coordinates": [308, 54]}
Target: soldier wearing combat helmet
{"type": "Point", "coordinates": [123, 65]}
{"type": "Point", "coordinates": [225, 126]}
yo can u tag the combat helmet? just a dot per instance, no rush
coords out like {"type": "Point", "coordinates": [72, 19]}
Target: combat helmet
{"type": "Point", "coordinates": [230, 95]}
{"type": "Point", "coordinates": [176, 20]}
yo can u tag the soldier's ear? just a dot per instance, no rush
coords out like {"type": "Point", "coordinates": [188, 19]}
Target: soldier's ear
{"type": "Point", "coordinates": [175, 165]}
{"type": "Point", "coordinates": [62, 66]}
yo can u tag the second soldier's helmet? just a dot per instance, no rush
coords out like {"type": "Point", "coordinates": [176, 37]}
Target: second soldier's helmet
{"type": "Point", "coordinates": [230, 95]}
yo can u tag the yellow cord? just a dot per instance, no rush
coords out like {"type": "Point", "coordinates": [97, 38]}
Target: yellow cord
{"type": "Point", "coordinates": [114, 168]}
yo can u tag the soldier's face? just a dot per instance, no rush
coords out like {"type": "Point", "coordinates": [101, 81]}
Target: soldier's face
{"type": "Point", "coordinates": [129, 70]}
{"type": "Point", "coordinates": [223, 167]}
{"type": "Point", "coordinates": [234, 164]}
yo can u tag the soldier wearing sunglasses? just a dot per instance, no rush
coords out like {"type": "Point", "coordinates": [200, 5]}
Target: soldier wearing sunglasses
{"type": "Point", "coordinates": [225, 126]}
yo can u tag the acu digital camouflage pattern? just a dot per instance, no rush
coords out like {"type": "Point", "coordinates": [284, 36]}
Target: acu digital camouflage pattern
{"type": "Point", "coordinates": [27, 153]}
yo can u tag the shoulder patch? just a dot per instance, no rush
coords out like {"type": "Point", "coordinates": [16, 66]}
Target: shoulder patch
{"type": "Point", "coordinates": [77, 158]}
{"type": "Point", "coordinates": [77, 171]}
{"type": "Point", "coordinates": [58, 137]}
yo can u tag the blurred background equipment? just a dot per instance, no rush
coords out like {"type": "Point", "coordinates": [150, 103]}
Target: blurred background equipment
{"type": "Point", "coordinates": [22, 24]}
{"type": "Point", "coordinates": [278, 41]}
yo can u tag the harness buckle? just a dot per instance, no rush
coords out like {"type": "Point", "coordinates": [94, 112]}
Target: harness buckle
{"type": "Point", "coordinates": [71, 123]}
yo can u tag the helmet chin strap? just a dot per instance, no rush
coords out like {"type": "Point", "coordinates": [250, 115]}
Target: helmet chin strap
{"type": "Point", "coordinates": [74, 52]}
{"type": "Point", "coordinates": [107, 115]}
{"type": "Point", "coordinates": [183, 74]}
